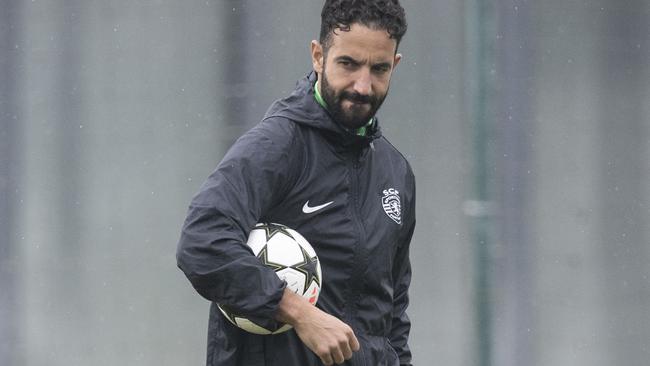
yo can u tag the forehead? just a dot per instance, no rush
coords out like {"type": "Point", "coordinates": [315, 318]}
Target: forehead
{"type": "Point", "coordinates": [363, 42]}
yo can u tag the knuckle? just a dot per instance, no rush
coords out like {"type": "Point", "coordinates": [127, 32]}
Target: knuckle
{"type": "Point", "coordinates": [322, 352]}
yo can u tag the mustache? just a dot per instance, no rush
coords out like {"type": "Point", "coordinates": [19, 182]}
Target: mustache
{"type": "Point", "coordinates": [358, 98]}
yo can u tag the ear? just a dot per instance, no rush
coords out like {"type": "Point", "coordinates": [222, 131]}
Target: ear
{"type": "Point", "coordinates": [317, 57]}
{"type": "Point", "coordinates": [398, 58]}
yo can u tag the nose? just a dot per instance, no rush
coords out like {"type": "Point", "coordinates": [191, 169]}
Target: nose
{"type": "Point", "coordinates": [362, 83]}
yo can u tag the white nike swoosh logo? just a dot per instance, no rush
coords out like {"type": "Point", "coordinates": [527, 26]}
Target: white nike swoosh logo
{"type": "Point", "coordinates": [307, 209]}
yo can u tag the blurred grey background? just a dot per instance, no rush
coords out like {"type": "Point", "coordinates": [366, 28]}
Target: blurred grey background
{"type": "Point", "coordinates": [526, 123]}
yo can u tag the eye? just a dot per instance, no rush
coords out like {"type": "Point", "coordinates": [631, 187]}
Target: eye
{"type": "Point", "coordinates": [347, 64]}
{"type": "Point", "coordinates": [381, 69]}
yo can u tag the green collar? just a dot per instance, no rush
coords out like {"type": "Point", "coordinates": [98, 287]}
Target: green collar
{"type": "Point", "coordinates": [318, 97]}
{"type": "Point", "coordinates": [361, 131]}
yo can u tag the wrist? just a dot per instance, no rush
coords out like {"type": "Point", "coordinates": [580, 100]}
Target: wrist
{"type": "Point", "coordinates": [291, 308]}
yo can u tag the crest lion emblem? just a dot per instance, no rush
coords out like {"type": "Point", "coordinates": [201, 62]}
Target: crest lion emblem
{"type": "Point", "coordinates": [392, 204]}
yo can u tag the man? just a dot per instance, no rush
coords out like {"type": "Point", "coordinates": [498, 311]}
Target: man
{"type": "Point", "coordinates": [317, 163]}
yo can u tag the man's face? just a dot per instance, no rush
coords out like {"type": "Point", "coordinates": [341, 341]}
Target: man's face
{"type": "Point", "coordinates": [355, 73]}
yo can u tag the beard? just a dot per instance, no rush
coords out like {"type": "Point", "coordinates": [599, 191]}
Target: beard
{"type": "Point", "coordinates": [363, 107]}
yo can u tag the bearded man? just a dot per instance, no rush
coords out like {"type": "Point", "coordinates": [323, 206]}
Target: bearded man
{"type": "Point", "coordinates": [318, 163]}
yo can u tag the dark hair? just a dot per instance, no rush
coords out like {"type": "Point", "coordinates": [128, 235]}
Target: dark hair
{"type": "Point", "coordinates": [376, 14]}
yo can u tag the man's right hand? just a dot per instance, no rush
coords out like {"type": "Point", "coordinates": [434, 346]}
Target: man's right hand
{"type": "Point", "coordinates": [328, 337]}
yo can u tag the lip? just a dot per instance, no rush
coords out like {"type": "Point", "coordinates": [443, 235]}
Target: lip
{"type": "Point", "coordinates": [354, 102]}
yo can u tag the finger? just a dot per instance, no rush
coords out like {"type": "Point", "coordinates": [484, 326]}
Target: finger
{"type": "Point", "coordinates": [346, 350]}
{"type": "Point", "coordinates": [327, 360]}
{"type": "Point", "coordinates": [338, 356]}
{"type": "Point", "coordinates": [354, 343]}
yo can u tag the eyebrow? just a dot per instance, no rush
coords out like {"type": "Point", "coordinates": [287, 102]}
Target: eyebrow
{"type": "Point", "coordinates": [355, 62]}
{"type": "Point", "coordinates": [348, 59]}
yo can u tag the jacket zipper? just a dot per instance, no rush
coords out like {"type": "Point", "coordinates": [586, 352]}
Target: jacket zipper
{"type": "Point", "coordinates": [360, 257]}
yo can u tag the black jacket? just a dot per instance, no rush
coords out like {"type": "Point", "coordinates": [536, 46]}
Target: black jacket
{"type": "Point", "coordinates": [297, 154]}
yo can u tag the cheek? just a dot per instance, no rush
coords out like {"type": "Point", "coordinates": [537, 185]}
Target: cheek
{"type": "Point", "coordinates": [380, 87]}
{"type": "Point", "coordinates": [338, 79]}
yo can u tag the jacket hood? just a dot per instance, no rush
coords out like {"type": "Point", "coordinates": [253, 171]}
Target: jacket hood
{"type": "Point", "coordinates": [301, 107]}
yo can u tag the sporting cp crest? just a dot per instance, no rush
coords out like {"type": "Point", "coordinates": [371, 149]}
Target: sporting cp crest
{"type": "Point", "coordinates": [392, 205]}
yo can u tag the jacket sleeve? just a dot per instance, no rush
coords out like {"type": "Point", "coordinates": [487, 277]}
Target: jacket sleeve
{"type": "Point", "coordinates": [212, 250]}
{"type": "Point", "coordinates": [401, 325]}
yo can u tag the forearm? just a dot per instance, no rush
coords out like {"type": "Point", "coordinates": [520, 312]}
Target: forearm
{"type": "Point", "coordinates": [214, 257]}
{"type": "Point", "coordinates": [325, 335]}
{"type": "Point", "coordinates": [292, 308]}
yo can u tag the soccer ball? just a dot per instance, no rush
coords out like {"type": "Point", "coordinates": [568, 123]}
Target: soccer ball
{"type": "Point", "coordinates": [292, 258]}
